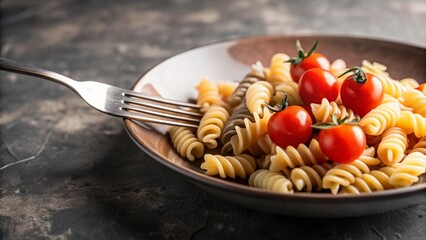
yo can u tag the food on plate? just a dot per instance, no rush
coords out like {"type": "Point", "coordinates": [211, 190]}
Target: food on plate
{"type": "Point", "coordinates": [307, 125]}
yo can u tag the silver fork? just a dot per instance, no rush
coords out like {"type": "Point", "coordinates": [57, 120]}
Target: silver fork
{"type": "Point", "coordinates": [118, 101]}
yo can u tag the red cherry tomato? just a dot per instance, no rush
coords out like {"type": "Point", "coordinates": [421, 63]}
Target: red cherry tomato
{"type": "Point", "coordinates": [361, 95]}
{"type": "Point", "coordinates": [316, 84]}
{"type": "Point", "coordinates": [342, 143]}
{"type": "Point", "coordinates": [290, 126]}
{"type": "Point", "coordinates": [315, 60]}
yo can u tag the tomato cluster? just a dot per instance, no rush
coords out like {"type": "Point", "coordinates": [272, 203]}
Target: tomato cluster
{"type": "Point", "coordinates": [293, 125]}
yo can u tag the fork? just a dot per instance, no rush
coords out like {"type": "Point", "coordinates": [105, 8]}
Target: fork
{"type": "Point", "coordinates": [118, 101]}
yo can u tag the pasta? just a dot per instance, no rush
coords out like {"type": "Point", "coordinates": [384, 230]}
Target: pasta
{"type": "Point", "coordinates": [309, 178]}
{"type": "Point", "coordinates": [269, 180]}
{"type": "Point", "coordinates": [344, 174]}
{"type": "Point", "coordinates": [412, 122]}
{"type": "Point", "coordinates": [294, 157]}
{"type": "Point", "coordinates": [393, 145]}
{"type": "Point", "coordinates": [186, 143]}
{"type": "Point", "coordinates": [280, 69]}
{"type": "Point", "coordinates": [211, 125]}
{"type": "Point", "coordinates": [323, 112]}
{"type": "Point", "coordinates": [376, 180]}
{"type": "Point", "coordinates": [256, 96]}
{"type": "Point", "coordinates": [381, 118]}
{"type": "Point", "coordinates": [406, 173]}
{"type": "Point", "coordinates": [251, 132]}
{"type": "Point", "coordinates": [229, 166]}
{"type": "Point", "coordinates": [232, 140]}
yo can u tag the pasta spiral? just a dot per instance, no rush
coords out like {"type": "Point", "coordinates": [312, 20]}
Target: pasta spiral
{"type": "Point", "coordinates": [420, 146]}
{"type": "Point", "coordinates": [393, 145]}
{"type": "Point", "coordinates": [407, 172]}
{"type": "Point", "coordinates": [380, 118]}
{"type": "Point", "coordinates": [291, 89]}
{"type": "Point", "coordinates": [186, 143]}
{"type": "Point", "coordinates": [208, 93]}
{"type": "Point", "coordinates": [256, 74]}
{"type": "Point", "coordinates": [309, 178]}
{"type": "Point", "coordinates": [229, 166]}
{"type": "Point", "coordinates": [416, 100]}
{"type": "Point", "coordinates": [344, 174]}
{"type": "Point", "coordinates": [294, 157]}
{"type": "Point", "coordinates": [376, 180]}
{"type": "Point", "coordinates": [237, 117]}
{"type": "Point", "coordinates": [390, 86]}
{"type": "Point", "coordinates": [251, 132]}
{"type": "Point", "coordinates": [323, 112]}
{"type": "Point", "coordinates": [256, 96]}
{"type": "Point", "coordinates": [211, 125]}
{"type": "Point", "coordinates": [273, 181]}
{"type": "Point", "coordinates": [279, 69]}
{"type": "Point", "coordinates": [412, 122]}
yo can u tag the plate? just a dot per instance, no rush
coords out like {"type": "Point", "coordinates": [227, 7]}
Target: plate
{"type": "Point", "coordinates": [230, 60]}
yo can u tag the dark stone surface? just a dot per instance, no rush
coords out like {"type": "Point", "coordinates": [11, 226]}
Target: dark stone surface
{"type": "Point", "coordinates": [90, 181]}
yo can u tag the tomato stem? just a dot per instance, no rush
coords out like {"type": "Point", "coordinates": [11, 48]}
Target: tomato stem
{"type": "Point", "coordinates": [335, 121]}
{"type": "Point", "coordinates": [278, 107]}
{"type": "Point", "coordinates": [358, 76]}
{"type": "Point", "coordinates": [301, 53]}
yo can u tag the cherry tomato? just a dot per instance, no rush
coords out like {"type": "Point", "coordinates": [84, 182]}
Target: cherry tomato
{"type": "Point", "coordinates": [316, 84]}
{"type": "Point", "coordinates": [361, 92]}
{"type": "Point", "coordinates": [342, 143]}
{"type": "Point", "coordinates": [290, 126]}
{"type": "Point", "coordinates": [305, 61]}
{"type": "Point", "coordinates": [315, 60]}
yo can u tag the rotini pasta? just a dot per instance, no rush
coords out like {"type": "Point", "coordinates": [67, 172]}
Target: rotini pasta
{"type": "Point", "coordinates": [416, 100]}
{"type": "Point", "coordinates": [380, 118]}
{"type": "Point", "coordinates": [229, 166]}
{"type": "Point", "coordinates": [251, 132]}
{"type": "Point", "coordinates": [211, 125]}
{"type": "Point", "coordinates": [186, 143]}
{"type": "Point", "coordinates": [412, 122]}
{"type": "Point", "coordinates": [273, 181]}
{"type": "Point", "coordinates": [393, 145]}
{"type": "Point", "coordinates": [309, 178]}
{"type": "Point", "coordinates": [376, 180]}
{"type": "Point", "coordinates": [256, 96]}
{"type": "Point", "coordinates": [208, 93]}
{"type": "Point", "coordinates": [406, 173]}
{"type": "Point", "coordinates": [294, 157]}
{"type": "Point", "coordinates": [279, 69]}
{"type": "Point", "coordinates": [344, 174]}
{"type": "Point", "coordinates": [324, 112]}
{"type": "Point", "coordinates": [291, 89]}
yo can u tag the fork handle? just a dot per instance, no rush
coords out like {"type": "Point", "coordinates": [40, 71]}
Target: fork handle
{"type": "Point", "coordinates": [17, 67]}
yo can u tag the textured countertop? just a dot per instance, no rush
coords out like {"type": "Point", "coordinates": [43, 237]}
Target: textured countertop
{"type": "Point", "coordinates": [83, 178]}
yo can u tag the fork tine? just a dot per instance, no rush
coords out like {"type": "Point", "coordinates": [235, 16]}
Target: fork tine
{"type": "Point", "coordinates": [140, 117]}
{"type": "Point", "coordinates": [160, 114]}
{"type": "Point", "coordinates": [129, 100]}
{"type": "Point", "coordinates": [129, 93]}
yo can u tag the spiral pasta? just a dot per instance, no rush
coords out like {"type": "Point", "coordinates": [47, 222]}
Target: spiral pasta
{"type": "Point", "coordinates": [251, 132]}
{"type": "Point", "coordinates": [291, 89]}
{"type": "Point", "coordinates": [309, 178]}
{"type": "Point", "coordinates": [256, 96]}
{"type": "Point", "coordinates": [229, 166]}
{"type": "Point", "coordinates": [323, 112]}
{"type": "Point", "coordinates": [406, 173]}
{"type": "Point", "coordinates": [412, 122]}
{"type": "Point", "coordinates": [269, 180]}
{"type": "Point", "coordinates": [416, 100]}
{"type": "Point", "coordinates": [344, 174]}
{"type": "Point", "coordinates": [393, 145]}
{"type": "Point", "coordinates": [376, 180]}
{"type": "Point", "coordinates": [186, 143]}
{"type": "Point", "coordinates": [420, 146]}
{"type": "Point", "coordinates": [380, 118]}
{"type": "Point", "coordinates": [279, 69]}
{"type": "Point", "coordinates": [291, 157]}
{"type": "Point", "coordinates": [390, 86]}
{"type": "Point", "coordinates": [211, 125]}
{"type": "Point", "coordinates": [236, 119]}
{"type": "Point", "coordinates": [208, 93]}
{"type": "Point", "coordinates": [226, 89]}
{"type": "Point", "coordinates": [256, 74]}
